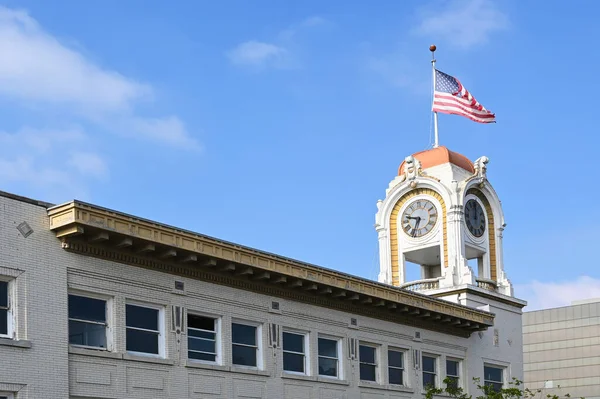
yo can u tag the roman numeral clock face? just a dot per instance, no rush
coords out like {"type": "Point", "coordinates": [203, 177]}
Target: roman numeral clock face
{"type": "Point", "coordinates": [419, 218]}
{"type": "Point", "coordinates": [475, 218]}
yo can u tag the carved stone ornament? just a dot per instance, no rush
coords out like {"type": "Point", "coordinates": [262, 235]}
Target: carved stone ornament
{"type": "Point", "coordinates": [412, 168]}
{"type": "Point", "coordinates": [481, 167]}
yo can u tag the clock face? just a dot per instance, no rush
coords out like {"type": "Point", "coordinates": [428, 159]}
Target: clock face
{"type": "Point", "coordinates": [419, 218]}
{"type": "Point", "coordinates": [475, 218]}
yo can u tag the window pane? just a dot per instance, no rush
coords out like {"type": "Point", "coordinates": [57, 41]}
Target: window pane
{"type": "Point", "coordinates": [202, 356]}
{"type": "Point", "coordinates": [243, 334]}
{"type": "Point", "coordinates": [367, 354]}
{"type": "Point", "coordinates": [327, 347]}
{"type": "Point", "coordinates": [429, 364]}
{"type": "Point", "coordinates": [201, 334]}
{"type": "Point", "coordinates": [293, 342]}
{"type": "Point", "coordinates": [201, 345]}
{"type": "Point", "coordinates": [84, 308]}
{"type": "Point", "coordinates": [141, 317]}
{"type": "Point", "coordinates": [367, 372]}
{"type": "Point", "coordinates": [328, 367]}
{"type": "Point", "coordinates": [428, 380]}
{"type": "Point", "coordinates": [87, 334]}
{"type": "Point", "coordinates": [395, 376]}
{"type": "Point", "coordinates": [200, 322]}
{"type": "Point", "coordinates": [395, 358]}
{"type": "Point", "coordinates": [244, 355]}
{"type": "Point", "coordinates": [453, 382]}
{"type": "Point", "coordinates": [492, 374]}
{"type": "Point", "coordinates": [293, 362]}
{"type": "Point", "coordinates": [497, 386]}
{"type": "Point", "coordinates": [142, 341]}
{"type": "Point", "coordinates": [3, 322]}
{"type": "Point", "coordinates": [3, 294]}
{"type": "Point", "coordinates": [452, 367]}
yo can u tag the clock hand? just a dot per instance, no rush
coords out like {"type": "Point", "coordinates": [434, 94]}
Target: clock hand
{"type": "Point", "coordinates": [414, 233]}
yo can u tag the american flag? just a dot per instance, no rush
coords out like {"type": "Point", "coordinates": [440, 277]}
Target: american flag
{"type": "Point", "coordinates": [451, 97]}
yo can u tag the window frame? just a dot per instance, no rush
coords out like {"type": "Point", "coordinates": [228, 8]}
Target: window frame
{"type": "Point", "coordinates": [161, 328]}
{"type": "Point", "coordinates": [498, 367]}
{"type": "Point", "coordinates": [458, 370]}
{"type": "Point", "coordinates": [306, 341]}
{"type": "Point", "coordinates": [403, 351]}
{"type": "Point", "coordinates": [108, 314]}
{"type": "Point", "coordinates": [339, 359]}
{"type": "Point", "coordinates": [218, 329]}
{"type": "Point", "coordinates": [377, 363]}
{"type": "Point", "coordinates": [8, 395]}
{"type": "Point", "coordinates": [436, 369]}
{"type": "Point", "coordinates": [259, 343]}
{"type": "Point", "coordinates": [10, 313]}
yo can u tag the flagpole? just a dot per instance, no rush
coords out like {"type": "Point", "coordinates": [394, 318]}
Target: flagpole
{"type": "Point", "coordinates": [432, 48]}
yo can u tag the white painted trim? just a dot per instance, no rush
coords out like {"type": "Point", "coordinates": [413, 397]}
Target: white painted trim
{"type": "Point", "coordinates": [307, 358]}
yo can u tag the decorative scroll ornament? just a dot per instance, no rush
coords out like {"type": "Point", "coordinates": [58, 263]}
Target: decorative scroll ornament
{"type": "Point", "coordinates": [481, 167]}
{"type": "Point", "coordinates": [412, 168]}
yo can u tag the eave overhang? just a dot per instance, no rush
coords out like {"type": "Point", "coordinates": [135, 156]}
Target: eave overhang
{"type": "Point", "coordinates": [91, 230]}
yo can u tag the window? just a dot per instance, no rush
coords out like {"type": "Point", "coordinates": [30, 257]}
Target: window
{"type": "Point", "coordinates": [87, 321]}
{"type": "Point", "coordinates": [329, 357]}
{"type": "Point", "coordinates": [202, 338]}
{"type": "Point", "coordinates": [396, 367]}
{"type": "Point", "coordinates": [429, 371]}
{"type": "Point", "coordinates": [245, 345]}
{"type": "Point", "coordinates": [493, 376]}
{"type": "Point", "coordinates": [5, 311]}
{"type": "Point", "coordinates": [5, 395]}
{"type": "Point", "coordinates": [144, 325]}
{"type": "Point", "coordinates": [453, 372]}
{"type": "Point", "coordinates": [367, 358]}
{"type": "Point", "coordinates": [294, 352]}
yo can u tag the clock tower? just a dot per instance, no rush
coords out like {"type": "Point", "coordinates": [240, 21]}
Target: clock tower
{"type": "Point", "coordinates": [442, 216]}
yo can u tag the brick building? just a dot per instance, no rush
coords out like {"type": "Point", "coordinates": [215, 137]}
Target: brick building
{"type": "Point", "coordinates": [95, 303]}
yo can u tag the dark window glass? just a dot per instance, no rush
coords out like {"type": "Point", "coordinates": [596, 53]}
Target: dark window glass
{"type": "Point", "coordinates": [201, 345]}
{"type": "Point", "coordinates": [244, 355]}
{"type": "Point", "coordinates": [367, 363]}
{"type": "Point", "coordinates": [243, 334]}
{"type": "Point", "coordinates": [3, 294]}
{"type": "Point", "coordinates": [202, 356]}
{"type": "Point", "coordinates": [327, 367]}
{"type": "Point", "coordinates": [396, 367]}
{"type": "Point", "coordinates": [201, 322]}
{"type": "Point", "coordinates": [244, 344]}
{"type": "Point", "coordinates": [201, 334]}
{"type": "Point", "coordinates": [3, 322]}
{"type": "Point", "coordinates": [395, 359]}
{"type": "Point", "coordinates": [142, 341]}
{"type": "Point", "coordinates": [88, 309]}
{"type": "Point", "coordinates": [328, 347]}
{"type": "Point", "coordinates": [429, 364]}
{"type": "Point", "coordinates": [396, 376]}
{"type": "Point", "coordinates": [428, 380]}
{"type": "Point", "coordinates": [141, 317]}
{"type": "Point", "coordinates": [492, 376]}
{"type": "Point", "coordinates": [87, 321]}
{"type": "Point", "coordinates": [293, 362]}
{"type": "Point", "coordinates": [452, 372]}
{"type": "Point", "coordinates": [293, 342]}
{"type": "Point", "coordinates": [88, 334]}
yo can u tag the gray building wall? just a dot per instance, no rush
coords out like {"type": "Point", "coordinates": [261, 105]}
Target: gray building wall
{"type": "Point", "coordinates": [562, 348]}
{"type": "Point", "coordinates": [39, 363]}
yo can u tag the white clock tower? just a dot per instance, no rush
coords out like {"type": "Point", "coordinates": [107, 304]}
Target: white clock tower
{"type": "Point", "coordinates": [442, 214]}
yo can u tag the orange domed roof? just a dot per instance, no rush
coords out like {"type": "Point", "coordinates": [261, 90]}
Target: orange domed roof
{"type": "Point", "coordinates": [440, 156]}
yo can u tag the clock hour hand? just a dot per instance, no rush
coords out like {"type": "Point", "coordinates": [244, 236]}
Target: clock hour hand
{"type": "Point", "coordinates": [414, 232]}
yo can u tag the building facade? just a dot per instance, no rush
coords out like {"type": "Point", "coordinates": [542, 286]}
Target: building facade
{"type": "Point", "coordinates": [562, 349]}
{"type": "Point", "coordinates": [95, 303]}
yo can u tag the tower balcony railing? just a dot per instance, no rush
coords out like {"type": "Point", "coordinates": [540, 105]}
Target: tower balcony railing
{"type": "Point", "coordinates": [486, 284]}
{"type": "Point", "coordinates": [422, 285]}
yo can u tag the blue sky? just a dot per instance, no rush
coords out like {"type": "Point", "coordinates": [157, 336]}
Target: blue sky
{"type": "Point", "coordinates": [279, 125]}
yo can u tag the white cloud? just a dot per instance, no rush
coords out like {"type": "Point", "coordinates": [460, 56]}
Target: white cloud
{"type": "Point", "coordinates": [257, 54]}
{"type": "Point", "coordinates": [541, 295]}
{"type": "Point", "coordinates": [40, 140]}
{"type": "Point", "coordinates": [463, 23]}
{"type": "Point", "coordinates": [37, 68]}
{"type": "Point", "coordinates": [88, 164]}
{"type": "Point", "coordinates": [170, 130]}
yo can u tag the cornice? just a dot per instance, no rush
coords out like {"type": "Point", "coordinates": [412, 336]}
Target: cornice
{"type": "Point", "coordinates": [100, 232]}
